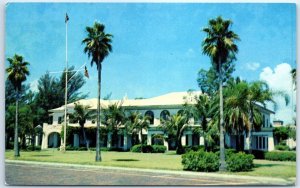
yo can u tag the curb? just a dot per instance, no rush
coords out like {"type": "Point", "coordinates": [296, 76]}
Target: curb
{"type": "Point", "coordinates": [271, 181]}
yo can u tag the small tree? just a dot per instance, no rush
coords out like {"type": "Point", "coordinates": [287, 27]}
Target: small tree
{"type": "Point", "coordinates": [80, 115]}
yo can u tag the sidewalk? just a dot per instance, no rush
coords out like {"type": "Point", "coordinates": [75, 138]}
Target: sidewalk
{"type": "Point", "coordinates": [264, 180]}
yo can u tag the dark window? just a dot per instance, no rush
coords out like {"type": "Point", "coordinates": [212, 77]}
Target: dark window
{"type": "Point", "coordinates": [180, 112]}
{"type": "Point", "coordinates": [264, 121]}
{"type": "Point", "coordinates": [165, 114]}
{"type": "Point", "coordinates": [60, 120]}
{"type": "Point", "coordinates": [150, 114]}
{"type": "Point", "coordinates": [187, 140]}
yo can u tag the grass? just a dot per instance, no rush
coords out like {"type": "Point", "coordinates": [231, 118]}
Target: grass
{"type": "Point", "coordinates": [166, 161]}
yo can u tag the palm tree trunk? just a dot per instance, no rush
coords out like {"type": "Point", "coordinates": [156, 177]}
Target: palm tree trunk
{"type": "Point", "coordinates": [16, 145]}
{"type": "Point", "coordinates": [84, 136]}
{"type": "Point", "coordinates": [98, 152]}
{"type": "Point", "coordinates": [141, 140]}
{"type": "Point", "coordinates": [222, 144]}
{"type": "Point", "coordinates": [250, 130]}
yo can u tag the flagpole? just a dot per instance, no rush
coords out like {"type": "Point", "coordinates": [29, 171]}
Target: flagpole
{"type": "Point", "coordinates": [66, 84]}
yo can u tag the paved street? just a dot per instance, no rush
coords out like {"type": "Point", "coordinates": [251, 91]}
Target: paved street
{"type": "Point", "coordinates": [45, 174]}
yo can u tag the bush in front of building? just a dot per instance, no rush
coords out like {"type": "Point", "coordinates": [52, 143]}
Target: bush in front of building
{"type": "Point", "coordinates": [200, 161]}
{"type": "Point", "coordinates": [282, 147]}
{"type": "Point", "coordinates": [193, 148]}
{"type": "Point", "coordinates": [159, 149]}
{"type": "Point", "coordinates": [281, 156]}
{"type": "Point", "coordinates": [239, 162]}
{"type": "Point", "coordinates": [258, 154]}
{"type": "Point", "coordinates": [148, 148]}
{"type": "Point", "coordinates": [228, 152]}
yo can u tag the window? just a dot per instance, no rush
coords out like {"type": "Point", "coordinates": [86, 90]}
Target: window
{"type": "Point", "coordinates": [260, 142]}
{"type": "Point", "coordinates": [165, 114]}
{"type": "Point", "coordinates": [180, 112]}
{"type": "Point", "coordinates": [60, 120]}
{"type": "Point", "coordinates": [150, 114]}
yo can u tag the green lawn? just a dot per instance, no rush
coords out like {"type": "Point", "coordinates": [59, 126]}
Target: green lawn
{"type": "Point", "coordinates": [168, 161]}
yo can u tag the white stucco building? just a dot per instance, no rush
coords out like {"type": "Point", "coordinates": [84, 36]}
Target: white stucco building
{"type": "Point", "coordinates": [157, 108]}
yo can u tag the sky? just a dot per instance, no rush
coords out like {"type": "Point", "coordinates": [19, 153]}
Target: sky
{"type": "Point", "coordinates": [156, 46]}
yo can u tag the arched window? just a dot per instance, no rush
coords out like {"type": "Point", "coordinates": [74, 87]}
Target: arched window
{"type": "Point", "coordinates": [180, 112]}
{"type": "Point", "coordinates": [164, 114]}
{"type": "Point", "coordinates": [150, 114]}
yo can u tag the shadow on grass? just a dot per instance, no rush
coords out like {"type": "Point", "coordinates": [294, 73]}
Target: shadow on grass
{"type": "Point", "coordinates": [129, 160]}
{"type": "Point", "coordinates": [265, 165]}
{"type": "Point", "coordinates": [45, 155]}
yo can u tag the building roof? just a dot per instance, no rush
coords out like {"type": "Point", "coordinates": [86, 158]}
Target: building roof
{"type": "Point", "coordinates": [169, 99]}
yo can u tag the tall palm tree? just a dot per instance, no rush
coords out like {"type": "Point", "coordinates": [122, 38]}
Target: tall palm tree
{"type": "Point", "coordinates": [98, 46]}
{"type": "Point", "coordinates": [17, 73]}
{"type": "Point", "coordinates": [220, 46]}
{"type": "Point", "coordinates": [80, 115]}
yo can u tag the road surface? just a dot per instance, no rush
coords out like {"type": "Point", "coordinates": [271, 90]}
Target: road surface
{"type": "Point", "coordinates": [18, 173]}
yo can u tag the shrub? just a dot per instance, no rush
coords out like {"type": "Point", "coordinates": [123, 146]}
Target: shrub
{"type": "Point", "coordinates": [82, 149]}
{"type": "Point", "coordinates": [282, 147]}
{"type": "Point", "coordinates": [159, 149]}
{"type": "Point", "coordinates": [147, 149]}
{"type": "Point", "coordinates": [238, 162]}
{"type": "Point", "coordinates": [200, 161]}
{"type": "Point", "coordinates": [193, 148]}
{"type": "Point", "coordinates": [281, 156]}
{"type": "Point", "coordinates": [136, 148]}
{"type": "Point", "coordinates": [258, 154]}
{"type": "Point", "coordinates": [228, 153]}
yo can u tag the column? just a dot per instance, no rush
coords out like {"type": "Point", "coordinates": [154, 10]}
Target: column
{"type": "Point", "coordinates": [201, 140]}
{"type": "Point", "coordinates": [76, 140]}
{"type": "Point", "coordinates": [183, 140]}
{"type": "Point", "coordinates": [149, 139]}
{"type": "Point", "coordinates": [109, 140]}
{"type": "Point", "coordinates": [190, 139]}
{"type": "Point", "coordinates": [37, 140]}
{"type": "Point", "coordinates": [125, 144]}
{"type": "Point", "coordinates": [166, 143]}
{"type": "Point", "coordinates": [45, 142]}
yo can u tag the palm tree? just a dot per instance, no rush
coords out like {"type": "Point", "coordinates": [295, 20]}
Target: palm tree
{"type": "Point", "coordinates": [17, 72]}
{"type": "Point", "coordinates": [258, 93]}
{"type": "Point", "coordinates": [236, 113]}
{"type": "Point", "coordinates": [98, 46]}
{"type": "Point", "coordinates": [137, 123]}
{"type": "Point", "coordinates": [175, 125]}
{"type": "Point", "coordinates": [114, 118]}
{"type": "Point", "coordinates": [203, 109]}
{"type": "Point", "coordinates": [294, 77]}
{"type": "Point", "coordinates": [220, 46]}
{"type": "Point", "coordinates": [80, 115]}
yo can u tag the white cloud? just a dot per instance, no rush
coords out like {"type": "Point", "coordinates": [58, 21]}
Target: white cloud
{"type": "Point", "coordinates": [280, 79]}
{"type": "Point", "coordinates": [34, 86]}
{"type": "Point", "coordinates": [190, 53]}
{"type": "Point", "coordinates": [252, 66]}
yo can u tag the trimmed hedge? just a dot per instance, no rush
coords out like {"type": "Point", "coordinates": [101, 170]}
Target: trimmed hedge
{"type": "Point", "coordinates": [282, 147]}
{"type": "Point", "coordinates": [200, 161]}
{"type": "Point", "coordinates": [148, 148]}
{"type": "Point", "coordinates": [192, 148]}
{"type": "Point", "coordinates": [159, 149]}
{"type": "Point", "coordinates": [281, 156]}
{"type": "Point", "coordinates": [238, 162]}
